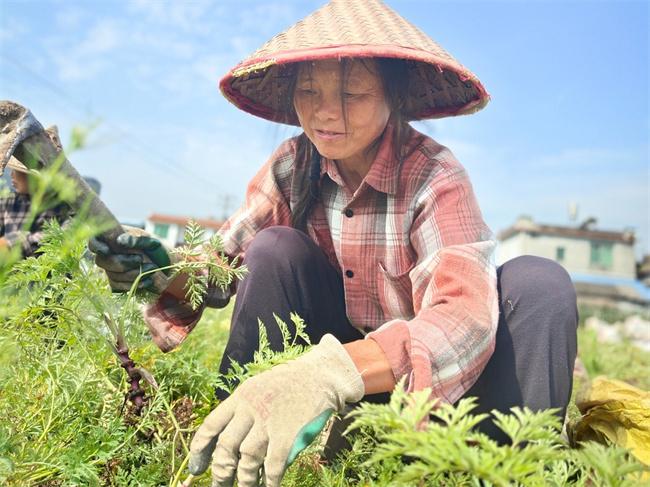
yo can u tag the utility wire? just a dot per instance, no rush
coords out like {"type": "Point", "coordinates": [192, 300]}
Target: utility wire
{"type": "Point", "coordinates": [128, 139]}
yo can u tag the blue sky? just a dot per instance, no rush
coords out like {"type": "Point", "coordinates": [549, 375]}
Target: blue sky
{"type": "Point", "coordinates": [568, 120]}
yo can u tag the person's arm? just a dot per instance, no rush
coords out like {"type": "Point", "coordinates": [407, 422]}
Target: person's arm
{"type": "Point", "coordinates": [30, 240]}
{"type": "Point", "coordinates": [372, 364]}
{"type": "Point", "coordinates": [170, 318]}
{"type": "Point", "coordinates": [447, 344]}
{"type": "Point", "coordinates": [33, 238]}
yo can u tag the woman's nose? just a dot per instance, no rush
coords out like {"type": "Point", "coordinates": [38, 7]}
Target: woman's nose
{"type": "Point", "coordinates": [328, 107]}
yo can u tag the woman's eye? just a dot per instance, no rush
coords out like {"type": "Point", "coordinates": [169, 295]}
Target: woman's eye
{"type": "Point", "coordinates": [351, 95]}
{"type": "Point", "coordinates": [306, 91]}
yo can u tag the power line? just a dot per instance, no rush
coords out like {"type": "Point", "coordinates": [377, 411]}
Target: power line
{"type": "Point", "coordinates": [127, 138]}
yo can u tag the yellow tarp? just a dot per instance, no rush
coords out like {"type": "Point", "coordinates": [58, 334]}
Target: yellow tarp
{"type": "Point", "coordinates": [618, 412]}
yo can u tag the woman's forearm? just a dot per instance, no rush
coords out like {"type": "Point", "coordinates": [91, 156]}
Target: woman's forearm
{"type": "Point", "coordinates": [372, 364]}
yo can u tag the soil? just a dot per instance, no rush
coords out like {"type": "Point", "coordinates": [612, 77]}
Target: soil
{"type": "Point", "coordinates": [183, 409]}
{"type": "Point", "coordinates": [110, 469]}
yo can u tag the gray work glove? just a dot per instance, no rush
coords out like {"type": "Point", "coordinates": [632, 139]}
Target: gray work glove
{"type": "Point", "coordinates": [272, 417]}
{"type": "Point", "coordinates": [134, 252]}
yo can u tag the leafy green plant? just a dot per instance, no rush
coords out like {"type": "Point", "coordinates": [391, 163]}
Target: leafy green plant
{"type": "Point", "coordinates": [58, 315]}
{"type": "Point", "coordinates": [64, 421]}
{"type": "Point", "coordinates": [415, 441]}
{"type": "Point", "coordinates": [264, 358]}
{"type": "Point", "coordinates": [204, 263]}
{"type": "Point", "coordinates": [617, 360]}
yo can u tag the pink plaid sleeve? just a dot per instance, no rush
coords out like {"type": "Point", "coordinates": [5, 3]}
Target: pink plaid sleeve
{"type": "Point", "coordinates": [170, 320]}
{"type": "Point", "coordinates": [449, 341]}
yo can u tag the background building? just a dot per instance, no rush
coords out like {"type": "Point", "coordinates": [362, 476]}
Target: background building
{"type": "Point", "coordinates": [171, 229]}
{"type": "Point", "coordinates": [601, 263]}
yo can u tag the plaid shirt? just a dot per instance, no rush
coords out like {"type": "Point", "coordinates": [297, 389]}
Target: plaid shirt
{"type": "Point", "coordinates": [14, 212]}
{"type": "Point", "coordinates": [415, 256]}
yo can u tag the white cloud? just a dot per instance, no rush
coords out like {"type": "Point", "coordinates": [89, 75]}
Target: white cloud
{"type": "Point", "coordinates": [179, 83]}
{"type": "Point", "coordinates": [69, 18]}
{"type": "Point", "coordinates": [258, 17]}
{"type": "Point", "coordinates": [90, 56]}
{"type": "Point", "coordinates": [165, 42]}
{"type": "Point", "coordinates": [103, 37]}
{"type": "Point", "coordinates": [588, 158]}
{"type": "Point", "coordinates": [542, 186]}
{"type": "Point", "coordinates": [243, 45]}
{"type": "Point", "coordinates": [11, 31]}
{"type": "Point", "coordinates": [190, 16]}
{"type": "Point", "coordinates": [212, 67]}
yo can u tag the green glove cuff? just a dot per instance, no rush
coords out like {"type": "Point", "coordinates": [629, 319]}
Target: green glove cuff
{"type": "Point", "coordinates": [160, 257]}
{"type": "Point", "coordinates": [307, 434]}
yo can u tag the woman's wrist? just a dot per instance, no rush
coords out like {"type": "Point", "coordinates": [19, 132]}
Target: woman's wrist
{"type": "Point", "coordinates": [372, 364]}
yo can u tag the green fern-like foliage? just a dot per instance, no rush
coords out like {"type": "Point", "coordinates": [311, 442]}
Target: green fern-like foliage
{"type": "Point", "coordinates": [294, 344]}
{"type": "Point", "coordinates": [413, 440]}
{"type": "Point", "coordinates": [62, 392]}
{"type": "Point", "coordinates": [204, 263]}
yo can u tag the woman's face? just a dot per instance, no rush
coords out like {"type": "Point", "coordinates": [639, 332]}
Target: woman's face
{"type": "Point", "coordinates": [19, 181]}
{"type": "Point", "coordinates": [321, 108]}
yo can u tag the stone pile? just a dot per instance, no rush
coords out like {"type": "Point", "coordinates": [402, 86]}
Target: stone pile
{"type": "Point", "coordinates": [634, 329]}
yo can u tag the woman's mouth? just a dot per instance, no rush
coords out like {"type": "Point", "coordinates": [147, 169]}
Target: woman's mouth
{"type": "Point", "coordinates": [328, 135]}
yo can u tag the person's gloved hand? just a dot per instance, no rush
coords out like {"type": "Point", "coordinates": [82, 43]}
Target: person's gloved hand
{"type": "Point", "coordinates": [136, 252]}
{"type": "Point", "coordinates": [272, 417]}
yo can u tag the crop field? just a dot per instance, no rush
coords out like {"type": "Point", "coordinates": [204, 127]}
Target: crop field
{"type": "Point", "coordinates": [69, 415]}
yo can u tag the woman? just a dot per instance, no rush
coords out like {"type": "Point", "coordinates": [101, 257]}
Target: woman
{"type": "Point", "coordinates": [370, 231]}
{"type": "Point", "coordinates": [16, 213]}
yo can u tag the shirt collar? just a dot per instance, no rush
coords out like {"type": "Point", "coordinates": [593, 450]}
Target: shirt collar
{"type": "Point", "coordinates": [384, 171]}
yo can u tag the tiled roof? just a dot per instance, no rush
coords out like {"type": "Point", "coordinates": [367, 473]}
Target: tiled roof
{"type": "Point", "coordinates": [210, 223]}
{"type": "Point", "coordinates": [569, 232]}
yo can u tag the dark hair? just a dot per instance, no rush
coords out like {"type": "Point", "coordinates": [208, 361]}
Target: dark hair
{"type": "Point", "coordinates": [394, 74]}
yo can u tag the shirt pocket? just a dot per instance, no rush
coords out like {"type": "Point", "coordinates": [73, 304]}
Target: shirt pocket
{"type": "Point", "coordinates": [395, 292]}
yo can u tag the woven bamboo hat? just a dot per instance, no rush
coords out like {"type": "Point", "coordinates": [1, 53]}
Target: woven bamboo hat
{"type": "Point", "coordinates": [16, 165]}
{"type": "Point", "coordinates": [439, 85]}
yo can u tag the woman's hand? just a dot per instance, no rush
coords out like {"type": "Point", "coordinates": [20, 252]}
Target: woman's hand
{"type": "Point", "coordinates": [133, 253]}
{"type": "Point", "coordinates": [272, 417]}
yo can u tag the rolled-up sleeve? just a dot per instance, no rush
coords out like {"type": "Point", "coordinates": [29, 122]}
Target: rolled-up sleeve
{"type": "Point", "coordinates": [448, 342]}
{"type": "Point", "coordinates": [170, 320]}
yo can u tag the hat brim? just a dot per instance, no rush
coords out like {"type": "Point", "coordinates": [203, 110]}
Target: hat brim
{"type": "Point", "coordinates": [438, 87]}
{"type": "Point", "coordinates": [16, 165]}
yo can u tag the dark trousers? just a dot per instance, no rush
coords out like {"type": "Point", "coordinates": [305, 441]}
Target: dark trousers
{"type": "Point", "coordinates": [532, 364]}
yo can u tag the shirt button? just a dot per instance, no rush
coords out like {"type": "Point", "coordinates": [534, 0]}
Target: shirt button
{"type": "Point", "coordinates": [349, 213]}
{"type": "Point", "coordinates": [349, 273]}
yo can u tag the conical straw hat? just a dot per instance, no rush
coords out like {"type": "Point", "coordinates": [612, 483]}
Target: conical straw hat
{"type": "Point", "coordinates": [439, 85]}
{"type": "Point", "coordinates": [16, 165]}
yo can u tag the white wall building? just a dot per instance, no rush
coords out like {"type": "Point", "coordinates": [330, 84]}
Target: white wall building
{"type": "Point", "coordinates": [171, 229]}
{"type": "Point", "coordinates": [601, 263]}
{"type": "Point", "coordinates": [580, 250]}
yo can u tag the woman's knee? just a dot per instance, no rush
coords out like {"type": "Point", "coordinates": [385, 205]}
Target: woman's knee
{"type": "Point", "coordinates": [278, 246]}
{"type": "Point", "coordinates": [538, 292]}
{"type": "Point", "coordinates": [531, 278]}
{"type": "Point", "coordinates": [540, 320]}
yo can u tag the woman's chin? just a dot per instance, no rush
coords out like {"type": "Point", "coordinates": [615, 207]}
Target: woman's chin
{"type": "Point", "coordinates": [329, 151]}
